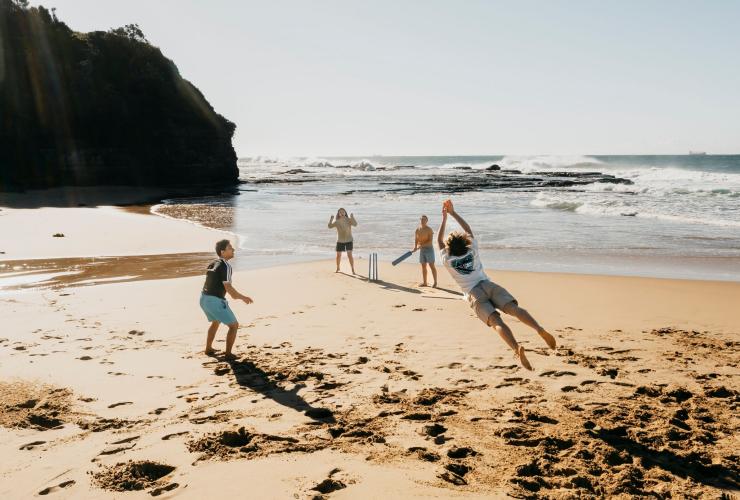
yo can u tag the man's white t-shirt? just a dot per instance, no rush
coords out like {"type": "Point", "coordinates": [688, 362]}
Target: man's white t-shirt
{"type": "Point", "coordinates": [467, 269]}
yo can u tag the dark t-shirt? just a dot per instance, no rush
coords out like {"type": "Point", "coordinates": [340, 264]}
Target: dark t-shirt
{"type": "Point", "coordinates": [219, 271]}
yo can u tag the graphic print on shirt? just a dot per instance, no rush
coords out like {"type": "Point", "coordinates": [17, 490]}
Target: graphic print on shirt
{"type": "Point", "coordinates": [464, 265]}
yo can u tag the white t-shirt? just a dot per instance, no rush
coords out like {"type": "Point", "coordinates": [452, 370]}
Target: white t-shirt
{"type": "Point", "coordinates": [467, 269]}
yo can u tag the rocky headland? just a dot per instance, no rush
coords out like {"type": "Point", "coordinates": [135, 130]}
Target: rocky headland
{"type": "Point", "coordinates": [101, 108]}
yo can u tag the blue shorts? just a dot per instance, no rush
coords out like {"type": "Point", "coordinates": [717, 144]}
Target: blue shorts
{"type": "Point", "coordinates": [217, 309]}
{"type": "Point", "coordinates": [426, 255]}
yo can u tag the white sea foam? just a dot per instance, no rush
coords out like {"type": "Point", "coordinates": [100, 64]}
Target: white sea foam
{"type": "Point", "coordinates": [546, 162]}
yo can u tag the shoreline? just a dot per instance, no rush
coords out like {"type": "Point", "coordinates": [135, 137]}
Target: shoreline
{"type": "Point", "coordinates": [44, 273]}
{"type": "Point", "coordinates": [199, 237]}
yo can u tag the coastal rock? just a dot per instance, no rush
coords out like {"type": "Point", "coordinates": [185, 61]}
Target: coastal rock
{"type": "Point", "coordinates": [493, 167]}
{"type": "Point", "coordinates": [101, 108]}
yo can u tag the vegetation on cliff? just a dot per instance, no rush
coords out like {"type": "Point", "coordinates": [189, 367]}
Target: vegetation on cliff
{"type": "Point", "coordinates": [100, 108]}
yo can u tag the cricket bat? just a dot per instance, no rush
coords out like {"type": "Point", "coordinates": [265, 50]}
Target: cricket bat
{"type": "Point", "coordinates": [402, 258]}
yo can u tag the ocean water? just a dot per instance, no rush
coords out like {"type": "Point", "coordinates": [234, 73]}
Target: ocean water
{"type": "Point", "coordinates": [661, 216]}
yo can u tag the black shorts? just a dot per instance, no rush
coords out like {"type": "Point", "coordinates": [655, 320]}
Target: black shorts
{"type": "Point", "coordinates": [341, 247]}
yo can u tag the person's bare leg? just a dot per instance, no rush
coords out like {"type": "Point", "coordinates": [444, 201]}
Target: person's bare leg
{"type": "Point", "coordinates": [522, 315]}
{"type": "Point", "coordinates": [351, 261]}
{"type": "Point", "coordinates": [211, 335]}
{"type": "Point", "coordinates": [434, 274]}
{"type": "Point", "coordinates": [230, 339]}
{"type": "Point", "coordinates": [495, 321]}
{"type": "Point", "coordinates": [424, 274]}
{"type": "Point", "coordinates": [339, 259]}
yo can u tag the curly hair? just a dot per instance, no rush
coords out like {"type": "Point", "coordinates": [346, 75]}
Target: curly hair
{"type": "Point", "coordinates": [458, 243]}
{"type": "Point", "coordinates": [221, 246]}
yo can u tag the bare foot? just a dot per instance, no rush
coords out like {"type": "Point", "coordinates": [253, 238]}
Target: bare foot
{"type": "Point", "coordinates": [434, 285]}
{"type": "Point", "coordinates": [523, 358]}
{"type": "Point", "coordinates": [337, 270]}
{"type": "Point", "coordinates": [423, 284]}
{"type": "Point", "coordinates": [549, 339]}
{"type": "Point", "coordinates": [210, 352]}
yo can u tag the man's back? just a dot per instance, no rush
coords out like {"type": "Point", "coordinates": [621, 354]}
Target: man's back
{"type": "Point", "coordinates": [466, 269]}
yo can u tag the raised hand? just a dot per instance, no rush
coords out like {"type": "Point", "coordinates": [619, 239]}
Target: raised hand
{"type": "Point", "coordinates": [247, 300]}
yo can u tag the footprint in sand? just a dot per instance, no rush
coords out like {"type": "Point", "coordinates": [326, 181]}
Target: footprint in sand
{"type": "Point", "coordinates": [167, 487]}
{"type": "Point", "coordinates": [454, 473]}
{"type": "Point", "coordinates": [329, 485]}
{"type": "Point", "coordinates": [205, 398]}
{"type": "Point", "coordinates": [555, 373]}
{"type": "Point", "coordinates": [60, 486]}
{"type": "Point", "coordinates": [221, 370]}
{"type": "Point", "coordinates": [32, 445]}
{"type": "Point", "coordinates": [157, 411]}
{"type": "Point", "coordinates": [85, 358]}
{"type": "Point", "coordinates": [120, 446]}
{"type": "Point", "coordinates": [176, 434]}
{"type": "Point", "coordinates": [120, 404]}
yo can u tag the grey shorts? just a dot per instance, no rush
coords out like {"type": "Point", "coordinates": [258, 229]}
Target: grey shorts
{"type": "Point", "coordinates": [486, 297]}
{"type": "Point", "coordinates": [426, 255]}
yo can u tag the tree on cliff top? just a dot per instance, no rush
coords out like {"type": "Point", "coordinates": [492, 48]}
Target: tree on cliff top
{"type": "Point", "coordinates": [100, 108]}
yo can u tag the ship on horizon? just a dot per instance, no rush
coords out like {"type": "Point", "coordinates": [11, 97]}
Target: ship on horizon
{"type": "Point", "coordinates": [697, 153]}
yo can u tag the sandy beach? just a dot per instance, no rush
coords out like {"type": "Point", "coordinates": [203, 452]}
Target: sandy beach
{"type": "Point", "coordinates": [344, 388]}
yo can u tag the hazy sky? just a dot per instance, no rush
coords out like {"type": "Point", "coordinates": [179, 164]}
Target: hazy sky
{"type": "Point", "coordinates": [459, 77]}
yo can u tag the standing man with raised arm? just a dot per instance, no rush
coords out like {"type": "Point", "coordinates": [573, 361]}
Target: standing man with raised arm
{"type": "Point", "coordinates": [213, 298]}
{"type": "Point", "coordinates": [344, 224]}
{"type": "Point", "coordinates": [460, 257]}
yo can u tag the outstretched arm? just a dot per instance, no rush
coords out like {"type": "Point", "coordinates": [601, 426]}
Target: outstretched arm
{"type": "Point", "coordinates": [234, 294]}
{"type": "Point", "coordinates": [331, 222]}
{"type": "Point", "coordinates": [441, 232]}
{"type": "Point", "coordinates": [460, 220]}
{"type": "Point", "coordinates": [352, 219]}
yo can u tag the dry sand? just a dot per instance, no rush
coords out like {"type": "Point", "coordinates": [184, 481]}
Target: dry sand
{"type": "Point", "coordinates": [349, 389]}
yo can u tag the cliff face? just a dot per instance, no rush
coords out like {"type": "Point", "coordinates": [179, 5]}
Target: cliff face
{"type": "Point", "coordinates": [100, 108]}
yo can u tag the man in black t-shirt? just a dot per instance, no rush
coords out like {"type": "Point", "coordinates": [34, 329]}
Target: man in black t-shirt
{"type": "Point", "coordinates": [213, 298]}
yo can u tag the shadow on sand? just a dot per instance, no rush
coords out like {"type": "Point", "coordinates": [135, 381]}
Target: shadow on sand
{"type": "Point", "coordinates": [384, 284]}
{"type": "Point", "coordinates": [249, 375]}
{"type": "Point", "coordinates": [453, 292]}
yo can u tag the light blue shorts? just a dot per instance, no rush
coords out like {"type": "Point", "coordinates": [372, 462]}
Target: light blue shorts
{"type": "Point", "coordinates": [426, 255]}
{"type": "Point", "coordinates": [217, 309]}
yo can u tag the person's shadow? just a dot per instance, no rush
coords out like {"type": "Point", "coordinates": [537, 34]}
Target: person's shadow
{"type": "Point", "coordinates": [250, 375]}
{"type": "Point", "coordinates": [453, 292]}
{"type": "Point", "coordinates": [385, 284]}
